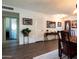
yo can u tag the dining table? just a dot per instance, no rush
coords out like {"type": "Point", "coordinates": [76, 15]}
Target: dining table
{"type": "Point", "coordinates": [73, 39]}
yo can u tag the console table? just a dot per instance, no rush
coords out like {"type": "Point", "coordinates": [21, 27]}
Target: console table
{"type": "Point", "coordinates": [49, 33]}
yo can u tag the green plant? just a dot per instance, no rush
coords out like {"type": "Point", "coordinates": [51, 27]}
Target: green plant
{"type": "Point", "coordinates": [26, 31]}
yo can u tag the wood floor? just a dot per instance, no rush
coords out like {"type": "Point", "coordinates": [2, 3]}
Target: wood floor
{"type": "Point", "coordinates": [29, 51]}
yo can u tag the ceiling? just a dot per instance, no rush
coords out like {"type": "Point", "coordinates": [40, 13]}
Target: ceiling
{"type": "Point", "coordinates": [44, 6]}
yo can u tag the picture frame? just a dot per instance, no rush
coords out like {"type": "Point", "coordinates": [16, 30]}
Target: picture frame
{"type": "Point", "coordinates": [59, 24]}
{"type": "Point", "coordinates": [74, 24]}
{"type": "Point", "coordinates": [67, 25]}
{"type": "Point", "coordinates": [51, 24]}
{"type": "Point", "coordinates": [27, 21]}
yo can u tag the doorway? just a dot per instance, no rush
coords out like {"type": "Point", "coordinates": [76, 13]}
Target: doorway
{"type": "Point", "coordinates": [10, 29]}
{"type": "Point", "coordinates": [68, 26]}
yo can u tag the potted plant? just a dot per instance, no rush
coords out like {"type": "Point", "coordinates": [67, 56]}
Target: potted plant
{"type": "Point", "coordinates": [26, 31]}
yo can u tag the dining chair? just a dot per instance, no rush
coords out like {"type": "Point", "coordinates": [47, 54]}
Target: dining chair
{"type": "Point", "coordinates": [65, 46]}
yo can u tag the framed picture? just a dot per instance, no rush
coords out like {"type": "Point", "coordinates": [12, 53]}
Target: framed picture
{"type": "Point", "coordinates": [74, 24]}
{"type": "Point", "coordinates": [59, 24]}
{"type": "Point", "coordinates": [27, 21]}
{"type": "Point", "coordinates": [51, 24]}
{"type": "Point", "coordinates": [67, 25]}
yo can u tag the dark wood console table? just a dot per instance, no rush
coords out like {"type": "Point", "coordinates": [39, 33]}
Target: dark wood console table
{"type": "Point", "coordinates": [49, 33]}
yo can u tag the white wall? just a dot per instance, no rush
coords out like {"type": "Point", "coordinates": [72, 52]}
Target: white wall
{"type": "Point", "coordinates": [38, 28]}
{"type": "Point", "coordinates": [55, 19]}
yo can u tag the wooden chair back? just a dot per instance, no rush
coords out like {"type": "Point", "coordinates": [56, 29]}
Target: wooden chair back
{"type": "Point", "coordinates": [64, 45]}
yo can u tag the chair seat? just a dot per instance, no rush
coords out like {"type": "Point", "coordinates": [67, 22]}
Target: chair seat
{"type": "Point", "coordinates": [69, 51]}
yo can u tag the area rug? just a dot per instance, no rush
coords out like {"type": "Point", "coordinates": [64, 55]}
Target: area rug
{"type": "Point", "coordinates": [51, 55]}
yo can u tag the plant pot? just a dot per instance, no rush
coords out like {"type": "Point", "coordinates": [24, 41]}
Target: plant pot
{"type": "Point", "coordinates": [26, 34]}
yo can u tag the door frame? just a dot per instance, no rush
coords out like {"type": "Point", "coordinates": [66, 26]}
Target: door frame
{"type": "Point", "coordinates": [3, 16]}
